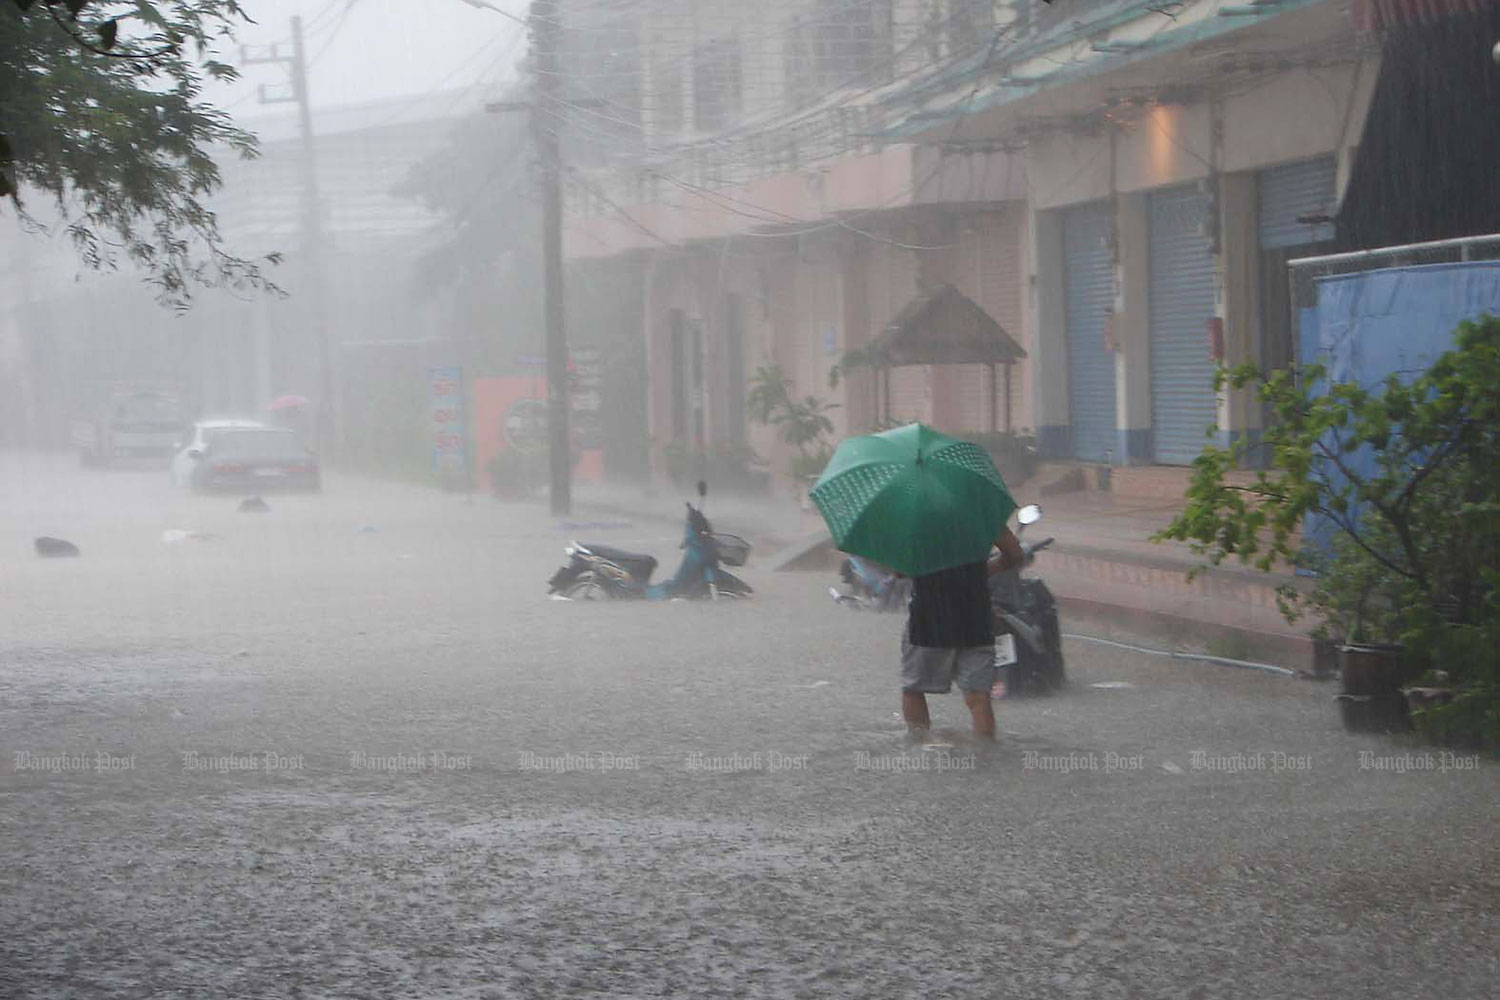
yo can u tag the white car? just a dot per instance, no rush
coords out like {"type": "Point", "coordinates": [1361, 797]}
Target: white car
{"type": "Point", "coordinates": [190, 451]}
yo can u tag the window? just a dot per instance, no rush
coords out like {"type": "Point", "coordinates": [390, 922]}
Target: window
{"type": "Point", "coordinates": [717, 86]}
{"type": "Point", "coordinates": [841, 43]}
{"type": "Point", "coordinates": [666, 82]}
{"type": "Point", "coordinates": [697, 398]}
{"type": "Point", "coordinates": [677, 331]}
{"type": "Point", "coordinates": [969, 25]}
{"type": "Point", "coordinates": [734, 347]}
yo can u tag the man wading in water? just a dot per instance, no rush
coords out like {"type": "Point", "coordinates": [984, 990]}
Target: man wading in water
{"type": "Point", "coordinates": [950, 634]}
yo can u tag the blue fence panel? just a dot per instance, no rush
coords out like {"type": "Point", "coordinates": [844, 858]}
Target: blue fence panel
{"type": "Point", "coordinates": [1369, 324]}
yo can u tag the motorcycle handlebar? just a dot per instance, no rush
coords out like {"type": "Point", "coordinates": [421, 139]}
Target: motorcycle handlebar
{"type": "Point", "coordinates": [1032, 550]}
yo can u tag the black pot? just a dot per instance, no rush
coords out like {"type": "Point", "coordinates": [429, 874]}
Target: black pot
{"type": "Point", "coordinates": [1371, 677]}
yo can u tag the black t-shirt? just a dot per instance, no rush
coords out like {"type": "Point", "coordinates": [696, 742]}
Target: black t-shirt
{"type": "Point", "coordinates": [950, 609]}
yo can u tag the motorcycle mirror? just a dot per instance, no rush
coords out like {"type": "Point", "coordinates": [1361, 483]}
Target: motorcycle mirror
{"type": "Point", "coordinates": [702, 490]}
{"type": "Point", "coordinates": [1029, 514]}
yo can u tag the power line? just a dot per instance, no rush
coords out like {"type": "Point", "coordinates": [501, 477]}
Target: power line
{"type": "Point", "coordinates": [338, 26]}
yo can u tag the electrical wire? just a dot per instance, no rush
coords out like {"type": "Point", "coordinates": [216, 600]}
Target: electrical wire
{"type": "Point", "coordinates": [782, 119]}
{"type": "Point", "coordinates": [334, 33]}
{"type": "Point", "coordinates": [1226, 661]}
{"type": "Point", "coordinates": [841, 223]}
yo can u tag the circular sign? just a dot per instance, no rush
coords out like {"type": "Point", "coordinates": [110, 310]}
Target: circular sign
{"type": "Point", "coordinates": [525, 426]}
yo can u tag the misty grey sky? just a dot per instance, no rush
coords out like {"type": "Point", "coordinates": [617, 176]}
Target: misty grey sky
{"type": "Point", "coordinates": [372, 50]}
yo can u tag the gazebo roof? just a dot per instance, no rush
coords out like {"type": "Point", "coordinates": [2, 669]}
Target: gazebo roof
{"type": "Point", "coordinates": [943, 326]}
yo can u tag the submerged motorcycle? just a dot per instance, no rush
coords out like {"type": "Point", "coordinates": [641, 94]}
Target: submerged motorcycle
{"type": "Point", "coordinates": [1026, 610]}
{"type": "Point", "coordinates": [870, 586]}
{"type": "Point", "coordinates": [597, 572]}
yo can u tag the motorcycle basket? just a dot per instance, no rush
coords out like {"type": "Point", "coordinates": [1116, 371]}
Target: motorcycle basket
{"type": "Point", "coordinates": [733, 550]}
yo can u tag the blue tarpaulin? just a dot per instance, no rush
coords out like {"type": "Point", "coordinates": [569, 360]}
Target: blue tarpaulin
{"type": "Point", "coordinates": [1369, 324]}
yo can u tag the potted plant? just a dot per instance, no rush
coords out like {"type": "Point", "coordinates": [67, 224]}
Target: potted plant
{"type": "Point", "coordinates": [1400, 489]}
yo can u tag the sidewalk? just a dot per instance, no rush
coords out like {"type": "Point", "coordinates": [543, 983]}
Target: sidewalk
{"type": "Point", "coordinates": [1104, 562]}
{"type": "Point", "coordinates": [1102, 565]}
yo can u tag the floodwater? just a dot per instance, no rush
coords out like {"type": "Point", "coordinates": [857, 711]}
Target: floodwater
{"type": "Point", "coordinates": [349, 748]}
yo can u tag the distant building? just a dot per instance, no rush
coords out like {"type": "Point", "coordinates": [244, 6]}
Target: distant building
{"type": "Point", "coordinates": [61, 326]}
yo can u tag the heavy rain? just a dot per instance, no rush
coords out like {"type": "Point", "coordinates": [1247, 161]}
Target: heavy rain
{"type": "Point", "coordinates": [811, 498]}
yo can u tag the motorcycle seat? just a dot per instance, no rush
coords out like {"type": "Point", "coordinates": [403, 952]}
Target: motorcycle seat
{"type": "Point", "coordinates": [637, 564]}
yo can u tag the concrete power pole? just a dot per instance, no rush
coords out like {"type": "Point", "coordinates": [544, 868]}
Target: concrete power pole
{"type": "Point", "coordinates": [546, 38]}
{"type": "Point", "coordinates": [312, 218]}
{"type": "Point", "coordinates": [544, 23]}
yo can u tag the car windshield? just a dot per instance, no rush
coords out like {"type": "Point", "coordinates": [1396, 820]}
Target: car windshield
{"type": "Point", "coordinates": [255, 444]}
{"type": "Point", "coordinates": [145, 408]}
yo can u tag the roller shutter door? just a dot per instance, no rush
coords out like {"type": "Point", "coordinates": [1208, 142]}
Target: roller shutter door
{"type": "Point", "coordinates": [1089, 280]}
{"type": "Point", "coordinates": [1181, 291]}
{"type": "Point", "coordinates": [1291, 192]}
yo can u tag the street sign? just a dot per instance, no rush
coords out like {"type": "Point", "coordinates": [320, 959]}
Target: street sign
{"type": "Point", "coordinates": [445, 407]}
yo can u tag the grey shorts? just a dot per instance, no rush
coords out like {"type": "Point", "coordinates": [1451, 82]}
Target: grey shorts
{"type": "Point", "coordinates": [932, 671]}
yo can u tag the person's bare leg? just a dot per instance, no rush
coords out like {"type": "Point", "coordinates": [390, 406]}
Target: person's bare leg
{"type": "Point", "coordinates": [914, 710]}
{"type": "Point", "coordinates": [983, 713]}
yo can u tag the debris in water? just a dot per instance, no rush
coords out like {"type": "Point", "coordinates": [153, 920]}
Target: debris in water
{"type": "Point", "coordinates": [1171, 768]}
{"type": "Point", "coordinates": [55, 548]}
{"type": "Point", "coordinates": [1112, 685]}
{"type": "Point", "coordinates": [254, 505]}
{"type": "Point", "coordinates": [175, 536]}
{"type": "Point", "coordinates": [809, 687]}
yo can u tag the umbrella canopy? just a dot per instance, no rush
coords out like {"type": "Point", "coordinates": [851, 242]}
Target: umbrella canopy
{"type": "Point", "coordinates": [287, 403]}
{"type": "Point", "coordinates": [913, 499]}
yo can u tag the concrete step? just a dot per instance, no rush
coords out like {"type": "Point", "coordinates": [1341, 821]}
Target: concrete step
{"type": "Point", "coordinates": [1220, 608]}
{"type": "Point", "coordinates": [1128, 482]}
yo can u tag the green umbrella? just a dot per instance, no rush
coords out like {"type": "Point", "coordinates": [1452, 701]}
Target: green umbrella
{"type": "Point", "coordinates": [913, 499]}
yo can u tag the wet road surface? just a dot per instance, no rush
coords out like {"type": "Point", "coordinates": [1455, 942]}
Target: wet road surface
{"type": "Point", "coordinates": [348, 748]}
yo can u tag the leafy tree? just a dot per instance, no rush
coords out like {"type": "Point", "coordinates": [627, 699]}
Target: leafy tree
{"type": "Point", "coordinates": [477, 183]}
{"type": "Point", "coordinates": [101, 110]}
{"type": "Point", "coordinates": [1408, 478]}
{"type": "Point", "coordinates": [804, 422]}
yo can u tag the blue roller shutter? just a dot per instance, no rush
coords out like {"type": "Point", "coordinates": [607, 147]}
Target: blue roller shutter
{"type": "Point", "coordinates": [1291, 192]}
{"type": "Point", "coordinates": [1089, 277]}
{"type": "Point", "coordinates": [1181, 291]}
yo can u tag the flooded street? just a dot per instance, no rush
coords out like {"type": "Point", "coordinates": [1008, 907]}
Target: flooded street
{"type": "Point", "coordinates": [349, 748]}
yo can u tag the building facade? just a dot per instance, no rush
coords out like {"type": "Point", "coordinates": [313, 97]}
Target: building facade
{"type": "Point", "coordinates": [1117, 183]}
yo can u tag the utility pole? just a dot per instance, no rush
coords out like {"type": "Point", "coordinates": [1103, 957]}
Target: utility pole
{"type": "Point", "coordinates": [312, 215]}
{"type": "Point", "coordinates": [544, 25]}
{"type": "Point", "coordinates": [546, 37]}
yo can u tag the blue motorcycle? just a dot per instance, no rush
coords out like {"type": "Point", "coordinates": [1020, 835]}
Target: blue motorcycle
{"type": "Point", "coordinates": [597, 572]}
